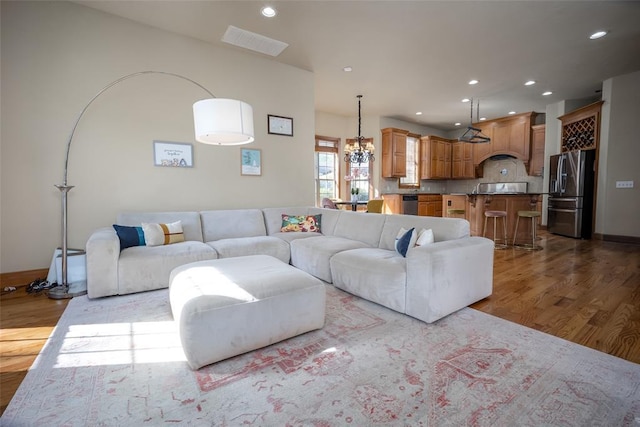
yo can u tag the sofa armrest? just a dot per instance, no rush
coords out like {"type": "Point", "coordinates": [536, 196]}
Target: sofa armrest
{"type": "Point", "coordinates": [103, 253]}
{"type": "Point", "coordinates": [446, 276]}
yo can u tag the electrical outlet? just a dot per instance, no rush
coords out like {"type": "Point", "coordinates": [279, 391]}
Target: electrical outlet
{"type": "Point", "coordinates": [624, 184]}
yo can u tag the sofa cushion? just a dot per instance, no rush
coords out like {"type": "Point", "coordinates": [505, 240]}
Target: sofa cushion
{"type": "Point", "coordinates": [363, 227]}
{"type": "Point", "coordinates": [329, 219]}
{"type": "Point", "coordinates": [291, 236]}
{"type": "Point", "coordinates": [313, 255]}
{"type": "Point", "coordinates": [227, 224]}
{"type": "Point", "coordinates": [377, 275]}
{"type": "Point", "coordinates": [258, 245]}
{"type": "Point", "coordinates": [144, 268]}
{"type": "Point", "coordinates": [191, 225]}
{"type": "Point", "coordinates": [443, 228]}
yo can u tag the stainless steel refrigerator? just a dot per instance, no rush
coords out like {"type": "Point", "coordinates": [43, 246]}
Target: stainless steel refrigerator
{"type": "Point", "coordinates": [571, 193]}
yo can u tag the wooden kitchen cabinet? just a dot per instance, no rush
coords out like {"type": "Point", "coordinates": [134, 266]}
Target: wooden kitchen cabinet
{"type": "Point", "coordinates": [442, 158]}
{"type": "Point", "coordinates": [394, 153]}
{"type": "Point", "coordinates": [462, 160]}
{"type": "Point", "coordinates": [435, 157]}
{"type": "Point", "coordinates": [392, 204]}
{"type": "Point", "coordinates": [509, 136]}
{"type": "Point", "coordinates": [536, 161]}
{"type": "Point", "coordinates": [429, 205]}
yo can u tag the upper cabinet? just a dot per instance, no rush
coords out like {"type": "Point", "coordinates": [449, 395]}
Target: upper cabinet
{"type": "Point", "coordinates": [509, 136]}
{"type": "Point", "coordinates": [536, 161]}
{"type": "Point", "coordinates": [462, 160]}
{"type": "Point", "coordinates": [435, 157]}
{"type": "Point", "coordinates": [581, 128]}
{"type": "Point", "coordinates": [442, 158]}
{"type": "Point", "coordinates": [394, 153]}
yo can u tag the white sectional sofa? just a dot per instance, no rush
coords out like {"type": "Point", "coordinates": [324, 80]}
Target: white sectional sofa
{"type": "Point", "coordinates": [354, 251]}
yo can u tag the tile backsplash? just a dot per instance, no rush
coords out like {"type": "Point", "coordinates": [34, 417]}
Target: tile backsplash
{"type": "Point", "coordinates": [506, 170]}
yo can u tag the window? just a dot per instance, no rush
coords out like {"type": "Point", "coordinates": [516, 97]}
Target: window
{"type": "Point", "coordinates": [412, 179]}
{"type": "Point", "coordinates": [358, 176]}
{"type": "Point", "coordinates": [326, 168]}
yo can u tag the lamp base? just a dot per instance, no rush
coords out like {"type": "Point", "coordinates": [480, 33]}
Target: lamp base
{"type": "Point", "coordinates": [67, 292]}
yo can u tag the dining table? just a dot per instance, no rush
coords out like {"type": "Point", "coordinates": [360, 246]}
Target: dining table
{"type": "Point", "coordinates": [354, 204]}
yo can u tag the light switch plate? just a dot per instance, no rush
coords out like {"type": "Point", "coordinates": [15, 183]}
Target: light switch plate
{"type": "Point", "coordinates": [624, 184]}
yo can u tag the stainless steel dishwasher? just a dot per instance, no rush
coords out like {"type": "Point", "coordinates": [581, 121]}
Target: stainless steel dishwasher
{"type": "Point", "coordinates": [410, 204]}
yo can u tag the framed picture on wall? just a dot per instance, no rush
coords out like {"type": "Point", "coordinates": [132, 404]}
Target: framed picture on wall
{"type": "Point", "coordinates": [250, 161]}
{"type": "Point", "coordinates": [172, 154]}
{"type": "Point", "coordinates": [278, 125]}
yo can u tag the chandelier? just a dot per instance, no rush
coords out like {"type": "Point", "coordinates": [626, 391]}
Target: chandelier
{"type": "Point", "coordinates": [356, 150]}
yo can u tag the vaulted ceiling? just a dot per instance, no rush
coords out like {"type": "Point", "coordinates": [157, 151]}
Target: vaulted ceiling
{"type": "Point", "coordinates": [418, 56]}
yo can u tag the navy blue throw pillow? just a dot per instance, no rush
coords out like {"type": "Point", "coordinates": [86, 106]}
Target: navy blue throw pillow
{"type": "Point", "coordinates": [129, 236]}
{"type": "Point", "coordinates": [403, 243]}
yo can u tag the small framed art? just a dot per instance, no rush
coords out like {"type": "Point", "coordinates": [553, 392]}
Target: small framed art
{"type": "Point", "coordinates": [172, 154]}
{"type": "Point", "coordinates": [278, 125]}
{"type": "Point", "coordinates": [250, 161]}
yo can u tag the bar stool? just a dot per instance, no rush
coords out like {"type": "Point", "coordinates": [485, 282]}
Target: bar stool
{"type": "Point", "coordinates": [453, 213]}
{"type": "Point", "coordinates": [497, 215]}
{"type": "Point", "coordinates": [527, 214]}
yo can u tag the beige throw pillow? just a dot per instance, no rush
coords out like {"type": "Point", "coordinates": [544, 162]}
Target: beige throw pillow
{"type": "Point", "coordinates": [162, 234]}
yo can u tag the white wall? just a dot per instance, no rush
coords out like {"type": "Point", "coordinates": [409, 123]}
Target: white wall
{"type": "Point", "coordinates": [56, 56]}
{"type": "Point", "coordinates": [617, 212]}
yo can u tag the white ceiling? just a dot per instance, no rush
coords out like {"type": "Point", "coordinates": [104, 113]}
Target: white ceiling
{"type": "Point", "coordinates": [410, 56]}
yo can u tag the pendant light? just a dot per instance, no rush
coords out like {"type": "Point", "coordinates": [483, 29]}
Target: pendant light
{"type": "Point", "coordinates": [474, 135]}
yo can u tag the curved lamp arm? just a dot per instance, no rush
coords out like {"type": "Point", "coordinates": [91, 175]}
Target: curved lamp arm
{"type": "Point", "coordinates": [217, 121]}
{"type": "Point", "coordinates": [104, 89]}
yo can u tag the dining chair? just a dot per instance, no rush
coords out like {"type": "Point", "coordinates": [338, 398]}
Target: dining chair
{"type": "Point", "coordinates": [375, 205]}
{"type": "Point", "coordinates": [328, 203]}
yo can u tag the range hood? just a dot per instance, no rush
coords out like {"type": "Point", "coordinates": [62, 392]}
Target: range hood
{"type": "Point", "coordinates": [474, 135]}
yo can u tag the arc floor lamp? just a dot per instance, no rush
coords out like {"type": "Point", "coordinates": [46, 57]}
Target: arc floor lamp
{"type": "Point", "coordinates": [217, 121]}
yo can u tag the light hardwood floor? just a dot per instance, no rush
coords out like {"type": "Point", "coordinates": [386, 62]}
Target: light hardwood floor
{"type": "Point", "coordinates": [585, 291]}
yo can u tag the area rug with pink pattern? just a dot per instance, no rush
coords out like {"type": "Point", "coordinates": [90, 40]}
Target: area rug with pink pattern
{"type": "Point", "coordinates": [117, 361]}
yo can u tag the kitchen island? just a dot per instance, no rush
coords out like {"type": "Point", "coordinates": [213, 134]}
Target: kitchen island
{"type": "Point", "coordinates": [476, 204]}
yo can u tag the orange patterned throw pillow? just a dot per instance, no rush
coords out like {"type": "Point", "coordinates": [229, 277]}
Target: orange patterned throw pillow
{"type": "Point", "coordinates": [303, 223]}
{"type": "Point", "coordinates": [163, 234]}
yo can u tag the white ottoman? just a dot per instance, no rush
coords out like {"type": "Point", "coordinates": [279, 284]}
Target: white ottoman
{"type": "Point", "coordinates": [225, 307]}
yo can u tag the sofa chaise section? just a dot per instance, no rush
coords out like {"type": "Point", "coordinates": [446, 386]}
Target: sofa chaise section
{"type": "Point", "coordinates": [383, 276]}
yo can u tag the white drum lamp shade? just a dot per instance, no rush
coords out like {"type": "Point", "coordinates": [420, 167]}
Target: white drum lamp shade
{"type": "Point", "coordinates": [221, 121]}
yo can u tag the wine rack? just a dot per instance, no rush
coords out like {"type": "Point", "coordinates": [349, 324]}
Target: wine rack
{"type": "Point", "coordinates": [581, 128]}
{"type": "Point", "coordinates": [579, 135]}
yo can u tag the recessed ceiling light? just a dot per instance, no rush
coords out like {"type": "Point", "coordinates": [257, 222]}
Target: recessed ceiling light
{"type": "Point", "coordinates": [512, 112]}
{"type": "Point", "coordinates": [530, 82]}
{"type": "Point", "coordinates": [419, 113]}
{"type": "Point", "coordinates": [597, 35]}
{"type": "Point", "coordinates": [473, 82]}
{"type": "Point", "coordinates": [457, 123]}
{"type": "Point", "coordinates": [466, 100]}
{"type": "Point", "coordinates": [269, 12]}
{"type": "Point", "coordinates": [547, 93]}
{"type": "Point", "coordinates": [347, 69]}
